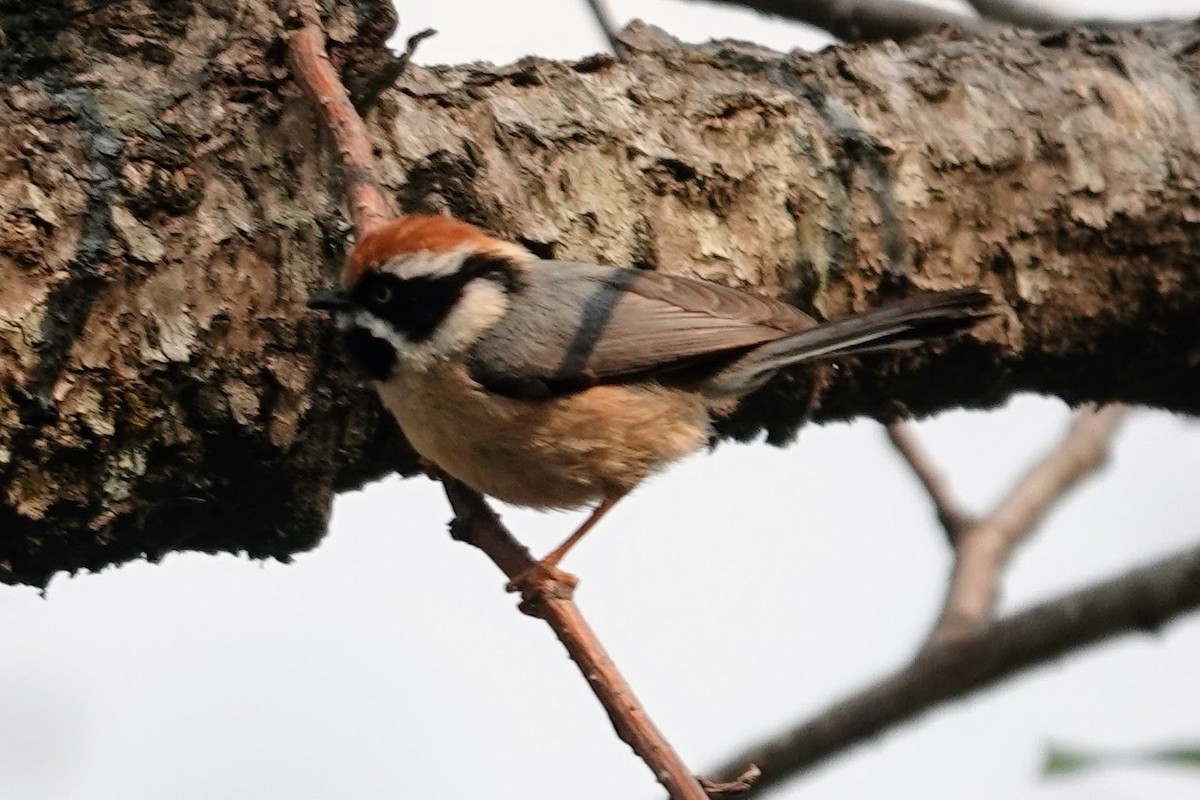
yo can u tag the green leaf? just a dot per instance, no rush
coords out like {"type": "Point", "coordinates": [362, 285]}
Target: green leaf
{"type": "Point", "coordinates": [1060, 761]}
{"type": "Point", "coordinates": [1067, 761]}
{"type": "Point", "coordinates": [1179, 756]}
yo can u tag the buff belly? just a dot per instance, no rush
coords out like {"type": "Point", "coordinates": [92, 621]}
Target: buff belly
{"type": "Point", "coordinates": [560, 453]}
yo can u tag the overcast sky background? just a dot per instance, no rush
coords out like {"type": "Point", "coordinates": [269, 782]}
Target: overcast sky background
{"type": "Point", "coordinates": [740, 592]}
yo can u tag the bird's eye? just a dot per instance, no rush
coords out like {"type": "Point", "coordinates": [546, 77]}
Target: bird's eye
{"type": "Point", "coordinates": [382, 294]}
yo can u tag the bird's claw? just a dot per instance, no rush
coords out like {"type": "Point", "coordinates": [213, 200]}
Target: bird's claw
{"type": "Point", "coordinates": [539, 582]}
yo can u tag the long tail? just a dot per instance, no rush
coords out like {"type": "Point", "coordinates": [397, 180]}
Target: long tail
{"type": "Point", "coordinates": [906, 323]}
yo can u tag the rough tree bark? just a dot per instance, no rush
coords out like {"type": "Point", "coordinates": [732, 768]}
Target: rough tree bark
{"type": "Point", "coordinates": [167, 206]}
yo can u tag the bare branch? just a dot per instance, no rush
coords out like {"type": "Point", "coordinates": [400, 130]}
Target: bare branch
{"type": "Point", "coordinates": [476, 524]}
{"type": "Point", "coordinates": [876, 20]}
{"type": "Point", "coordinates": [950, 514]}
{"type": "Point", "coordinates": [982, 550]}
{"type": "Point", "coordinates": [867, 20]}
{"type": "Point", "coordinates": [604, 20]}
{"type": "Point", "coordinates": [1015, 12]}
{"type": "Point", "coordinates": [312, 70]}
{"type": "Point", "coordinates": [1142, 600]}
{"type": "Point", "coordinates": [1026, 15]}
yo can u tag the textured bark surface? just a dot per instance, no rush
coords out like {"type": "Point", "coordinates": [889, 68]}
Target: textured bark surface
{"type": "Point", "coordinates": [168, 202]}
{"type": "Point", "coordinates": [166, 210]}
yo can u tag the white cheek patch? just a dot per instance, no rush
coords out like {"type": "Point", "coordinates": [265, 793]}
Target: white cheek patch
{"type": "Point", "coordinates": [481, 305]}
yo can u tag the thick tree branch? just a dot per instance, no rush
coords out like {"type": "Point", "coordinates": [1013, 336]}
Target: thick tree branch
{"type": "Point", "coordinates": [867, 20]}
{"type": "Point", "coordinates": [162, 388]}
{"type": "Point", "coordinates": [1142, 600]}
{"type": "Point", "coordinates": [983, 549]}
{"type": "Point", "coordinates": [884, 190]}
{"type": "Point", "coordinates": [167, 210]}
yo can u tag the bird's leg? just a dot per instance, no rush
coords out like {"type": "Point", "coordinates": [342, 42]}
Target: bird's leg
{"type": "Point", "coordinates": [556, 555]}
{"type": "Point", "coordinates": [546, 570]}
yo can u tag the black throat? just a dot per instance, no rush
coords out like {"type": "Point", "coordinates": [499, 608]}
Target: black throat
{"type": "Point", "coordinates": [413, 307]}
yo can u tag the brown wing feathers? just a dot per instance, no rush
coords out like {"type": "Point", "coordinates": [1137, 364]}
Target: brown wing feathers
{"type": "Point", "coordinates": [575, 325]}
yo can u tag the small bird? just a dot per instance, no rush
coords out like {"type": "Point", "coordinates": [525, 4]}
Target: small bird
{"type": "Point", "coordinates": [554, 384]}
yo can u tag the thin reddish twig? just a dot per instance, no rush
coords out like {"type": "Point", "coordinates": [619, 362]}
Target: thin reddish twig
{"type": "Point", "coordinates": [316, 75]}
{"type": "Point", "coordinates": [982, 550]}
{"type": "Point", "coordinates": [476, 524]}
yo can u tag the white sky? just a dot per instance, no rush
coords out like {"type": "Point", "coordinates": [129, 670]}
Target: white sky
{"type": "Point", "coordinates": [739, 592]}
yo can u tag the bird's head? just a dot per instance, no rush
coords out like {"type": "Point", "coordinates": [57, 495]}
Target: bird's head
{"type": "Point", "coordinates": [419, 288]}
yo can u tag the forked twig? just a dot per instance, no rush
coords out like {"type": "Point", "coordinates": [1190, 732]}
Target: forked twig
{"type": "Point", "coordinates": [967, 649]}
{"type": "Point", "coordinates": [983, 546]}
{"type": "Point", "coordinates": [983, 549]}
{"type": "Point", "coordinates": [1141, 600]}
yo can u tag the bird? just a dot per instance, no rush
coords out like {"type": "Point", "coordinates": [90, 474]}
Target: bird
{"type": "Point", "coordinates": [559, 384]}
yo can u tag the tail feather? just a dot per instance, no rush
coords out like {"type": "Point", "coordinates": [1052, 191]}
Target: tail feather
{"type": "Point", "coordinates": [906, 323]}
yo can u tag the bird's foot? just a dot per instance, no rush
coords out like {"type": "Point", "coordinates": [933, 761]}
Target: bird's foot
{"type": "Point", "coordinates": [540, 582]}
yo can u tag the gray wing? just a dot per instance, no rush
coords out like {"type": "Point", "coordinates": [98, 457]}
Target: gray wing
{"type": "Point", "coordinates": [574, 325]}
